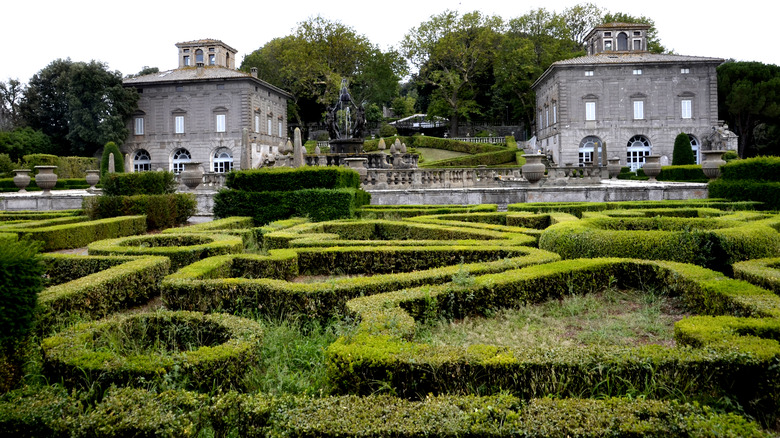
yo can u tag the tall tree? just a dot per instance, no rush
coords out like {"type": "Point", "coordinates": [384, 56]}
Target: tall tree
{"type": "Point", "coordinates": [80, 106]}
{"type": "Point", "coordinates": [580, 19]}
{"type": "Point", "coordinates": [749, 99]}
{"type": "Point", "coordinates": [450, 53]}
{"type": "Point", "coordinates": [11, 93]}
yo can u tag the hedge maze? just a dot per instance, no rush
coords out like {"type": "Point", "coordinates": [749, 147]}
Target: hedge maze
{"type": "Point", "coordinates": [109, 363]}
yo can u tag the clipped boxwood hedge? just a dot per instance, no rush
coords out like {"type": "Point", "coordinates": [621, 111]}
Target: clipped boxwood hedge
{"type": "Point", "coordinates": [139, 183]}
{"type": "Point", "coordinates": [483, 159]}
{"type": "Point", "coordinates": [577, 208]}
{"type": "Point", "coordinates": [282, 179]}
{"type": "Point", "coordinates": [91, 287]}
{"type": "Point", "coordinates": [161, 211]}
{"type": "Point", "coordinates": [731, 356]}
{"type": "Point", "coordinates": [683, 173]}
{"type": "Point", "coordinates": [761, 272]}
{"type": "Point", "coordinates": [80, 234]}
{"type": "Point", "coordinates": [204, 350]}
{"type": "Point", "coordinates": [182, 249]}
{"type": "Point", "coordinates": [403, 211]}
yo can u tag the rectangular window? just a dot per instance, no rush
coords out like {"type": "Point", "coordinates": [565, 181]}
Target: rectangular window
{"type": "Point", "coordinates": [212, 59]}
{"type": "Point", "coordinates": [639, 110]}
{"type": "Point", "coordinates": [590, 110]}
{"type": "Point", "coordinates": [186, 61]}
{"type": "Point", "coordinates": [541, 125]}
{"type": "Point", "coordinates": [685, 71]}
{"type": "Point", "coordinates": [637, 71]}
{"type": "Point", "coordinates": [686, 109]}
{"type": "Point", "coordinates": [637, 45]}
{"type": "Point", "coordinates": [257, 123]}
{"type": "Point", "coordinates": [179, 122]}
{"type": "Point", "coordinates": [547, 117]}
{"type": "Point", "coordinates": [588, 72]}
{"type": "Point", "coordinates": [139, 126]}
{"type": "Point", "coordinates": [270, 126]}
{"type": "Point", "coordinates": [555, 113]}
{"type": "Point", "coordinates": [607, 45]}
{"type": "Point", "coordinates": [221, 122]}
{"type": "Point", "coordinates": [280, 129]}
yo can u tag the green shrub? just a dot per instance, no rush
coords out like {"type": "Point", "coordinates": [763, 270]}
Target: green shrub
{"type": "Point", "coordinates": [387, 130]}
{"type": "Point", "coordinates": [161, 211]}
{"type": "Point", "coordinates": [79, 234]}
{"type": "Point", "coordinates": [767, 193]}
{"type": "Point", "coordinates": [32, 160]}
{"type": "Point", "coordinates": [265, 207]}
{"type": "Point", "coordinates": [761, 272]}
{"type": "Point", "coordinates": [682, 154]}
{"type": "Point", "coordinates": [21, 279]}
{"type": "Point", "coordinates": [687, 173]}
{"type": "Point", "coordinates": [6, 166]}
{"type": "Point", "coordinates": [39, 411]}
{"type": "Point", "coordinates": [766, 169]}
{"type": "Point", "coordinates": [119, 161]}
{"type": "Point", "coordinates": [285, 179]}
{"type": "Point", "coordinates": [91, 287]}
{"type": "Point", "coordinates": [206, 351]}
{"type": "Point", "coordinates": [139, 183]}
{"type": "Point", "coordinates": [484, 159]}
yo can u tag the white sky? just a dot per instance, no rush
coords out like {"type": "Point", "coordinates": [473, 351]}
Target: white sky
{"type": "Point", "coordinates": [131, 35]}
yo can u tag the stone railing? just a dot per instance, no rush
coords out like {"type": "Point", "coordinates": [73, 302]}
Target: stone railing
{"type": "Point", "coordinates": [491, 140]}
{"type": "Point", "coordinates": [211, 181]}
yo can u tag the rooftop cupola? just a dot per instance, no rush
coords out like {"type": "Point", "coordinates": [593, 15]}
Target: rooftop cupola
{"type": "Point", "coordinates": [206, 52]}
{"type": "Point", "coordinates": [617, 37]}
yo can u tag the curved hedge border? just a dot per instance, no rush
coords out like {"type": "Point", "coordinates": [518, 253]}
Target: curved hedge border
{"type": "Point", "coordinates": [95, 286]}
{"type": "Point", "coordinates": [213, 284]}
{"type": "Point", "coordinates": [576, 208]}
{"type": "Point", "coordinates": [182, 249]}
{"type": "Point", "coordinates": [721, 356]}
{"type": "Point", "coordinates": [186, 413]}
{"type": "Point", "coordinates": [72, 355]}
{"type": "Point", "coordinates": [402, 211]}
{"type": "Point", "coordinates": [80, 234]}
{"type": "Point", "coordinates": [761, 272]}
{"type": "Point", "coordinates": [709, 242]}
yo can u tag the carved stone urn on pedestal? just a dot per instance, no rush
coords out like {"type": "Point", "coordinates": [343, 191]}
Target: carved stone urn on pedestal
{"type": "Point", "coordinates": [46, 179]}
{"type": "Point", "coordinates": [93, 177]}
{"type": "Point", "coordinates": [613, 167]}
{"type": "Point", "coordinates": [192, 175]}
{"type": "Point", "coordinates": [22, 179]}
{"type": "Point", "coordinates": [533, 169]}
{"type": "Point", "coordinates": [652, 166]}
{"type": "Point", "coordinates": [712, 162]}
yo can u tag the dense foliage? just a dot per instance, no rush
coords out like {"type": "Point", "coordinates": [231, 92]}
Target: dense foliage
{"type": "Point", "coordinates": [682, 154]}
{"type": "Point", "coordinates": [139, 183]}
{"type": "Point", "coordinates": [119, 162]}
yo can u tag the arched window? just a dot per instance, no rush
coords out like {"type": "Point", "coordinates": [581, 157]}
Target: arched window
{"type": "Point", "coordinates": [179, 157]}
{"type": "Point", "coordinates": [142, 162]}
{"type": "Point", "coordinates": [199, 56]}
{"type": "Point", "coordinates": [695, 148]}
{"type": "Point", "coordinates": [222, 161]}
{"type": "Point", "coordinates": [590, 150]}
{"type": "Point", "coordinates": [622, 42]}
{"type": "Point", "coordinates": [637, 148]}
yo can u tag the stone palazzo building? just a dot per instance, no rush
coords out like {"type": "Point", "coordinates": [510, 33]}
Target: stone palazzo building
{"type": "Point", "coordinates": [623, 101]}
{"type": "Point", "coordinates": [204, 111]}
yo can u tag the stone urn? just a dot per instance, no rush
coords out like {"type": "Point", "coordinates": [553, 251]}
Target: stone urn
{"type": "Point", "coordinates": [712, 162]}
{"type": "Point", "coordinates": [613, 167]}
{"type": "Point", "coordinates": [192, 175]}
{"type": "Point", "coordinates": [652, 166]}
{"type": "Point", "coordinates": [46, 179]}
{"type": "Point", "coordinates": [533, 169]}
{"type": "Point", "coordinates": [22, 179]}
{"type": "Point", "coordinates": [93, 177]}
{"type": "Point", "coordinates": [358, 164]}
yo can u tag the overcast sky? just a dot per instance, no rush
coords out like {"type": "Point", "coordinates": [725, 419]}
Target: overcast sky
{"type": "Point", "coordinates": [130, 35]}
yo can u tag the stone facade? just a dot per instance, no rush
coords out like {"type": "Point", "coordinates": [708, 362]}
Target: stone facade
{"type": "Point", "coordinates": [623, 101]}
{"type": "Point", "coordinates": [204, 111]}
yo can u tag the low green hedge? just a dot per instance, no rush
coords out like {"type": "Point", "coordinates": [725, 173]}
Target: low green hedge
{"type": "Point", "coordinates": [709, 242]}
{"type": "Point", "coordinates": [766, 193]}
{"type": "Point", "coordinates": [731, 357]}
{"type": "Point", "coordinates": [213, 283]}
{"type": "Point", "coordinates": [265, 207]}
{"type": "Point", "coordinates": [766, 169]}
{"type": "Point", "coordinates": [182, 249]}
{"type": "Point", "coordinates": [402, 211]}
{"type": "Point", "coordinates": [80, 234]}
{"type": "Point", "coordinates": [686, 173]}
{"type": "Point", "coordinates": [483, 159]}
{"type": "Point", "coordinates": [161, 211]}
{"type": "Point", "coordinates": [36, 215]}
{"type": "Point", "coordinates": [178, 413]}
{"type": "Point", "coordinates": [288, 179]}
{"type": "Point", "coordinates": [761, 272]}
{"type": "Point", "coordinates": [203, 350]}
{"type": "Point", "coordinates": [139, 183]}
{"type": "Point", "coordinates": [577, 208]}
{"type": "Point", "coordinates": [91, 287]}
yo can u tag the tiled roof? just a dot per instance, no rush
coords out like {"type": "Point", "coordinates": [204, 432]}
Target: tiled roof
{"type": "Point", "coordinates": [187, 74]}
{"type": "Point", "coordinates": [633, 57]}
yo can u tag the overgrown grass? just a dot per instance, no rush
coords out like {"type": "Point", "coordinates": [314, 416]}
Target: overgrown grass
{"type": "Point", "coordinates": [613, 317]}
{"type": "Point", "coordinates": [292, 356]}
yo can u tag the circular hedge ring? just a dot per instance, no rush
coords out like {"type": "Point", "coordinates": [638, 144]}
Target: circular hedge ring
{"type": "Point", "coordinates": [193, 349]}
{"type": "Point", "coordinates": [183, 248]}
{"type": "Point", "coordinates": [709, 242]}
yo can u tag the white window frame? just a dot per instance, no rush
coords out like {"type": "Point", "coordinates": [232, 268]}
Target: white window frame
{"type": "Point", "coordinates": [178, 124]}
{"type": "Point", "coordinates": [280, 129]}
{"type": "Point", "coordinates": [221, 121]}
{"type": "Point", "coordinates": [637, 71]}
{"type": "Point", "coordinates": [142, 162]}
{"type": "Point", "coordinates": [222, 161]}
{"type": "Point", "coordinates": [270, 126]}
{"type": "Point", "coordinates": [590, 111]}
{"type": "Point", "coordinates": [588, 72]}
{"type": "Point", "coordinates": [555, 113]}
{"type": "Point", "coordinates": [257, 123]}
{"type": "Point", "coordinates": [686, 108]}
{"type": "Point", "coordinates": [546, 117]}
{"type": "Point", "coordinates": [685, 71]}
{"type": "Point", "coordinates": [139, 126]}
{"type": "Point", "coordinates": [639, 110]}
{"type": "Point", "coordinates": [187, 60]}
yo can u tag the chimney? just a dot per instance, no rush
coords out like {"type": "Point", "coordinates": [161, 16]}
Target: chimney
{"type": "Point", "coordinates": [253, 71]}
{"type": "Point", "coordinates": [199, 71]}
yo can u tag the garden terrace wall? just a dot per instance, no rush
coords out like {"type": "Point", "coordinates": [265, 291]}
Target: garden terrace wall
{"type": "Point", "coordinates": [91, 287]}
{"type": "Point", "coordinates": [214, 351]}
{"type": "Point", "coordinates": [182, 249]}
{"type": "Point", "coordinates": [203, 286]}
{"type": "Point", "coordinates": [731, 356]}
{"type": "Point", "coordinates": [77, 235]}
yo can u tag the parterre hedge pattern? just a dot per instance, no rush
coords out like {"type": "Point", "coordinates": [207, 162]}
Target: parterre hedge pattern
{"type": "Point", "coordinates": [392, 275]}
